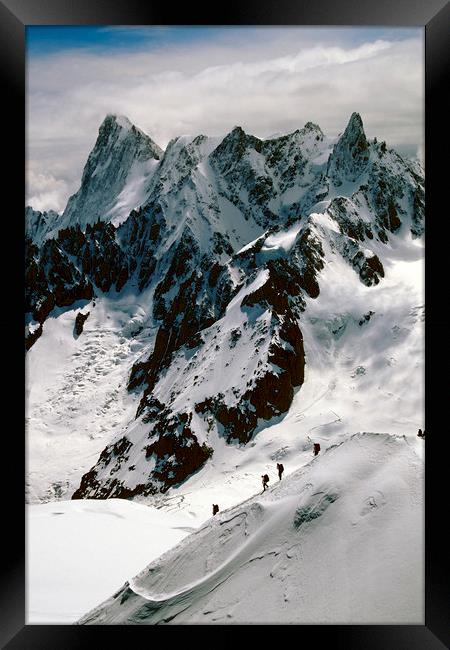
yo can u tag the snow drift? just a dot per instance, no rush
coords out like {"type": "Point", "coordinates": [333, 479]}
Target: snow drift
{"type": "Point", "coordinates": [335, 542]}
{"type": "Point", "coordinates": [79, 552]}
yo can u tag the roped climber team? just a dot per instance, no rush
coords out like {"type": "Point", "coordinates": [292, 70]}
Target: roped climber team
{"type": "Point", "coordinates": [280, 469]}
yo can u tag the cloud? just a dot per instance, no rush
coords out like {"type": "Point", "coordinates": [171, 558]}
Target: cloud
{"type": "Point", "coordinates": [45, 192]}
{"type": "Point", "coordinates": [264, 84]}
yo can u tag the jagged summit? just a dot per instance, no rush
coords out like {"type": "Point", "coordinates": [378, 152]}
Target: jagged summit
{"type": "Point", "coordinates": [115, 175]}
{"type": "Point", "coordinates": [238, 135]}
{"type": "Point", "coordinates": [311, 126]}
{"type": "Point", "coordinates": [355, 123]}
{"type": "Point", "coordinates": [116, 127]}
{"type": "Point", "coordinates": [116, 119]}
{"type": "Point", "coordinates": [350, 154]}
{"type": "Point", "coordinates": [225, 243]}
{"type": "Point", "coordinates": [354, 135]}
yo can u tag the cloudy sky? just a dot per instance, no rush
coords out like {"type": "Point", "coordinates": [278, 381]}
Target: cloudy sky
{"type": "Point", "coordinates": [172, 81]}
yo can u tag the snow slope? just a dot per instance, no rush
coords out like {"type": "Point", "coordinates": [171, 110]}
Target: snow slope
{"type": "Point", "coordinates": [364, 355]}
{"type": "Point", "coordinates": [364, 349]}
{"type": "Point", "coordinates": [76, 390]}
{"type": "Point", "coordinates": [248, 260]}
{"type": "Point", "coordinates": [357, 377]}
{"type": "Point", "coordinates": [115, 176]}
{"type": "Point", "coordinates": [79, 552]}
{"type": "Point", "coordinates": [334, 542]}
{"type": "Point", "coordinates": [176, 323]}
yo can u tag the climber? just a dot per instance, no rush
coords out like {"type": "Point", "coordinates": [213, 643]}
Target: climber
{"type": "Point", "coordinates": [316, 448]}
{"type": "Point", "coordinates": [215, 509]}
{"type": "Point", "coordinates": [265, 480]}
{"type": "Point", "coordinates": [280, 469]}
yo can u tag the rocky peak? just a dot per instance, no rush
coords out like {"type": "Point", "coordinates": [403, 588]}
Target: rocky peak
{"type": "Point", "coordinates": [113, 121]}
{"type": "Point", "coordinates": [350, 154]}
{"type": "Point", "coordinates": [311, 127]}
{"type": "Point", "coordinates": [354, 127]}
{"type": "Point", "coordinates": [353, 141]}
{"type": "Point", "coordinates": [117, 136]}
{"type": "Point", "coordinates": [237, 133]}
{"type": "Point", "coordinates": [114, 126]}
{"type": "Point", "coordinates": [236, 143]}
{"type": "Point", "coordinates": [212, 307]}
{"type": "Point", "coordinates": [122, 153]}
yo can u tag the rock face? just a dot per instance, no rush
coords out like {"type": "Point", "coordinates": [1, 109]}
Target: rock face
{"type": "Point", "coordinates": [52, 280]}
{"type": "Point", "coordinates": [350, 155]}
{"type": "Point", "coordinates": [229, 239]}
{"type": "Point", "coordinates": [270, 394]}
{"type": "Point", "coordinates": [80, 321]}
{"type": "Point", "coordinates": [115, 175]}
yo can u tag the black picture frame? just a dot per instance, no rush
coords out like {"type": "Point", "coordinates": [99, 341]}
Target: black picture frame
{"type": "Point", "coordinates": [434, 16]}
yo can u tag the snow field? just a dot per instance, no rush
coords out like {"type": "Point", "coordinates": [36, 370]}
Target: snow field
{"type": "Point", "coordinates": [79, 552]}
{"type": "Point", "coordinates": [334, 542]}
{"type": "Point", "coordinates": [76, 393]}
{"type": "Point", "coordinates": [340, 538]}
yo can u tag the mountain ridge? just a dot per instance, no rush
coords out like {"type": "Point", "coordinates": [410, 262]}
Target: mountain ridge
{"type": "Point", "coordinates": [230, 243]}
{"type": "Point", "coordinates": [288, 541]}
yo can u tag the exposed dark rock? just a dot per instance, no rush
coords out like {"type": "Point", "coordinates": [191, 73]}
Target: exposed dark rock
{"type": "Point", "coordinates": [287, 279]}
{"type": "Point", "coordinates": [271, 293]}
{"type": "Point", "coordinates": [366, 317]}
{"type": "Point", "coordinates": [52, 280]}
{"type": "Point", "coordinates": [33, 336]}
{"type": "Point", "coordinates": [52, 273]}
{"type": "Point", "coordinates": [417, 227]}
{"type": "Point", "coordinates": [92, 488]}
{"type": "Point", "coordinates": [370, 268]}
{"type": "Point", "coordinates": [113, 455]}
{"type": "Point", "coordinates": [350, 155]}
{"type": "Point", "coordinates": [198, 275]}
{"type": "Point", "coordinates": [271, 394]}
{"type": "Point", "coordinates": [79, 322]}
{"type": "Point", "coordinates": [345, 213]}
{"type": "Point", "coordinates": [214, 274]}
{"type": "Point", "coordinates": [176, 451]}
{"type": "Point", "coordinates": [235, 335]}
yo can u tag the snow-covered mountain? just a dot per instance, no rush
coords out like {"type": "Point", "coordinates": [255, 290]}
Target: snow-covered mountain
{"type": "Point", "coordinates": [40, 224]}
{"type": "Point", "coordinates": [115, 177]}
{"type": "Point", "coordinates": [334, 542]}
{"type": "Point", "coordinates": [251, 278]}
